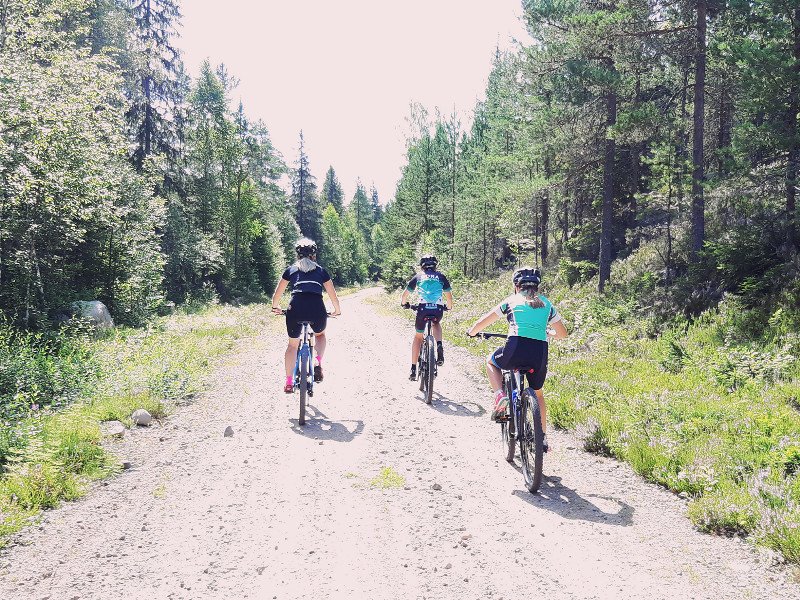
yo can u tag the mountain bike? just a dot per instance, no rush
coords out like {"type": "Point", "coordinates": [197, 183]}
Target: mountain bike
{"type": "Point", "coordinates": [303, 367]}
{"type": "Point", "coordinates": [523, 423]}
{"type": "Point", "coordinates": [426, 363]}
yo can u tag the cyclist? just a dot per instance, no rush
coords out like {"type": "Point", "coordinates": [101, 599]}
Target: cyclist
{"type": "Point", "coordinates": [308, 280]}
{"type": "Point", "coordinates": [529, 316]}
{"type": "Point", "coordinates": [431, 287]}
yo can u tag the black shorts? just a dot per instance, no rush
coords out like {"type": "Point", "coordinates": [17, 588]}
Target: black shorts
{"type": "Point", "coordinates": [521, 352]}
{"type": "Point", "coordinates": [306, 307]}
{"type": "Point", "coordinates": [428, 312]}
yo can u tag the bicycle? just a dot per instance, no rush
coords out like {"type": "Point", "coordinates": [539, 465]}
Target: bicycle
{"type": "Point", "coordinates": [426, 363]}
{"type": "Point", "coordinates": [524, 411]}
{"type": "Point", "coordinates": [303, 366]}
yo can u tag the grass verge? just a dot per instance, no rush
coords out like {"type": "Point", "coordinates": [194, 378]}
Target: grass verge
{"type": "Point", "coordinates": [709, 408]}
{"type": "Point", "coordinates": [50, 439]}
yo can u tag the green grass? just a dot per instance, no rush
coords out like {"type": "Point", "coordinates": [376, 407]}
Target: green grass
{"type": "Point", "coordinates": [387, 479]}
{"type": "Point", "coordinates": [708, 409]}
{"type": "Point", "coordinates": [54, 448]}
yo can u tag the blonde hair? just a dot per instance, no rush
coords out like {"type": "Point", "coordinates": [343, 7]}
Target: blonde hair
{"type": "Point", "coordinates": [305, 264]}
{"type": "Point", "coordinates": [531, 294]}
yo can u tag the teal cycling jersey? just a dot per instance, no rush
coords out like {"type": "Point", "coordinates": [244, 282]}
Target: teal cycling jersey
{"type": "Point", "coordinates": [430, 286]}
{"type": "Point", "coordinates": [526, 321]}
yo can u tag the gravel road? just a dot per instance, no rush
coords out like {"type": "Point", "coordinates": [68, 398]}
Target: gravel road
{"type": "Point", "coordinates": [279, 511]}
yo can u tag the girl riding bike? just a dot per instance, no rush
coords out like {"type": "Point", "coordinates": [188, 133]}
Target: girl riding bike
{"type": "Point", "coordinates": [435, 294]}
{"type": "Point", "coordinates": [529, 316]}
{"type": "Point", "coordinates": [308, 280]}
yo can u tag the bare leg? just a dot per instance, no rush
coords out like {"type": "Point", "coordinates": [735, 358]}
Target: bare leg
{"type": "Point", "coordinates": [436, 329]}
{"type": "Point", "coordinates": [542, 408]}
{"type": "Point", "coordinates": [415, 347]}
{"type": "Point", "coordinates": [291, 355]}
{"type": "Point", "coordinates": [319, 344]}
{"type": "Point", "coordinates": [495, 375]}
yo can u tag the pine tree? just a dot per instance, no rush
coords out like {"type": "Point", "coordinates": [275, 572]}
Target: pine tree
{"type": "Point", "coordinates": [156, 89]}
{"type": "Point", "coordinates": [304, 197]}
{"type": "Point", "coordinates": [332, 191]}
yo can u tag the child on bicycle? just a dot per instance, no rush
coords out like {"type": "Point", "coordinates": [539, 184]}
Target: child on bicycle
{"type": "Point", "coordinates": [308, 280]}
{"type": "Point", "coordinates": [529, 316]}
{"type": "Point", "coordinates": [432, 287]}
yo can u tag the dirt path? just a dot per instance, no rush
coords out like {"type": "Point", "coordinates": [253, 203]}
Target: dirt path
{"type": "Point", "coordinates": [281, 512]}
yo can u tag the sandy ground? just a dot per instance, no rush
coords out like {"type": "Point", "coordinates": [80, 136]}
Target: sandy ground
{"type": "Point", "coordinates": [278, 511]}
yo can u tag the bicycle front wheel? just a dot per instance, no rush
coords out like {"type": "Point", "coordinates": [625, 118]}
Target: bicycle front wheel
{"type": "Point", "coordinates": [531, 438]}
{"type": "Point", "coordinates": [303, 386]}
{"type": "Point", "coordinates": [430, 371]}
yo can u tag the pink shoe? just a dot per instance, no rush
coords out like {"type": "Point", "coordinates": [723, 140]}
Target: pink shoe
{"type": "Point", "coordinates": [500, 407]}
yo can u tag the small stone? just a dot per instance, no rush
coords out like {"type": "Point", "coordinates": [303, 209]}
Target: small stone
{"type": "Point", "coordinates": [437, 487]}
{"type": "Point", "coordinates": [466, 536]}
{"type": "Point", "coordinates": [127, 465]}
{"type": "Point", "coordinates": [448, 566]}
{"type": "Point", "coordinates": [112, 429]}
{"type": "Point", "coordinates": [141, 417]}
{"type": "Point", "coordinates": [321, 443]}
{"type": "Point", "coordinates": [228, 431]}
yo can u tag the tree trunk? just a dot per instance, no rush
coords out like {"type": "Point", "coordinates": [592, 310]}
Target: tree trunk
{"type": "Point", "coordinates": [607, 220]}
{"type": "Point", "coordinates": [546, 208]}
{"type": "Point", "coordinates": [791, 133]}
{"type": "Point", "coordinates": [680, 150]}
{"type": "Point", "coordinates": [725, 126]}
{"type": "Point", "coordinates": [3, 23]}
{"type": "Point", "coordinates": [698, 173]}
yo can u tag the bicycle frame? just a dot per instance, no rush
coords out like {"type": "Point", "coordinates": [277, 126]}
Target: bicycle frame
{"type": "Point", "coordinates": [427, 364]}
{"type": "Point", "coordinates": [526, 428]}
{"type": "Point", "coordinates": [305, 351]}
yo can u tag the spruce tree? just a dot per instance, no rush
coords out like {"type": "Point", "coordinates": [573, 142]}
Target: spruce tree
{"type": "Point", "coordinates": [155, 92]}
{"type": "Point", "coordinates": [332, 191]}
{"type": "Point", "coordinates": [304, 197]}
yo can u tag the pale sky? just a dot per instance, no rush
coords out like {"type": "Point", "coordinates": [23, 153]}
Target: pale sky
{"type": "Point", "coordinates": [346, 71]}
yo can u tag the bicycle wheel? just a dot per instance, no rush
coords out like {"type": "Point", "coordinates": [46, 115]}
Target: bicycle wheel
{"type": "Point", "coordinates": [430, 371]}
{"type": "Point", "coordinates": [421, 370]}
{"type": "Point", "coordinates": [507, 438]}
{"type": "Point", "coordinates": [303, 384]}
{"type": "Point", "coordinates": [531, 450]}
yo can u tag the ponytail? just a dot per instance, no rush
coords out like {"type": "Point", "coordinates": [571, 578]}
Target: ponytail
{"type": "Point", "coordinates": [530, 291]}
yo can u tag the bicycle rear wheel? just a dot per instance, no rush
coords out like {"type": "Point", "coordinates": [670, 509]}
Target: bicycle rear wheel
{"type": "Point", "coordinates": [507, 435]}
{"type": "Point", "coordinates": [430, 370]}
{"type": "Point", "coordinates": [303, 357]}
{"type": "Point", "coordinates": [531, 449]}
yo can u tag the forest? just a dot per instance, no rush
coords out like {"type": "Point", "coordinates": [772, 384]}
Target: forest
{"type": "Point", "coordinates": [668, 128]}
{"type": "Point", "coordinates": [126, 180]}
{"type": "Point", "coordinates": [643, 153]}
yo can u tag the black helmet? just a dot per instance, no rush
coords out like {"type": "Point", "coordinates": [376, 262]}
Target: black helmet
{"type": "Point", "coordinates": [527, 277]}
{"type": "Point", "coordinates": [305, 248]}
{"type": "Point", "coordinates": [428, 261]}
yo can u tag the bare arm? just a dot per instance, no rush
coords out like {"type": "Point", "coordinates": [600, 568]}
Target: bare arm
{"type": "Point", "coordinates": [448, 300]}
{"type": "Point", "coordinates": [334, 298]}
{"type": "Point", "coordinates": [276, 297]}
{"type": "Point", "coordinates": [560, 329]}
{"type": "Point", "coordinates": [404, 297]}
{"type": "Point", "coordinates": [482, 323]}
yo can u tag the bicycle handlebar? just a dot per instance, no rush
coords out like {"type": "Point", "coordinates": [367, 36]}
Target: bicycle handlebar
{"type": "Point", "coordinates": [283, 313]}
{"type": "Point", "coordinates": [408, 306]}
{"type": "Point", "coordinates": [487, 335]}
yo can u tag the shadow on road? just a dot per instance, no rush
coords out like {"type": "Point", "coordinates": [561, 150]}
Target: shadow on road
{"type": "Point", "coordinates": [446, 406]}
{"type": "Point", "coordinates": [319, 427]}
{"type": "Point", "coordinates": [566, 502]}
